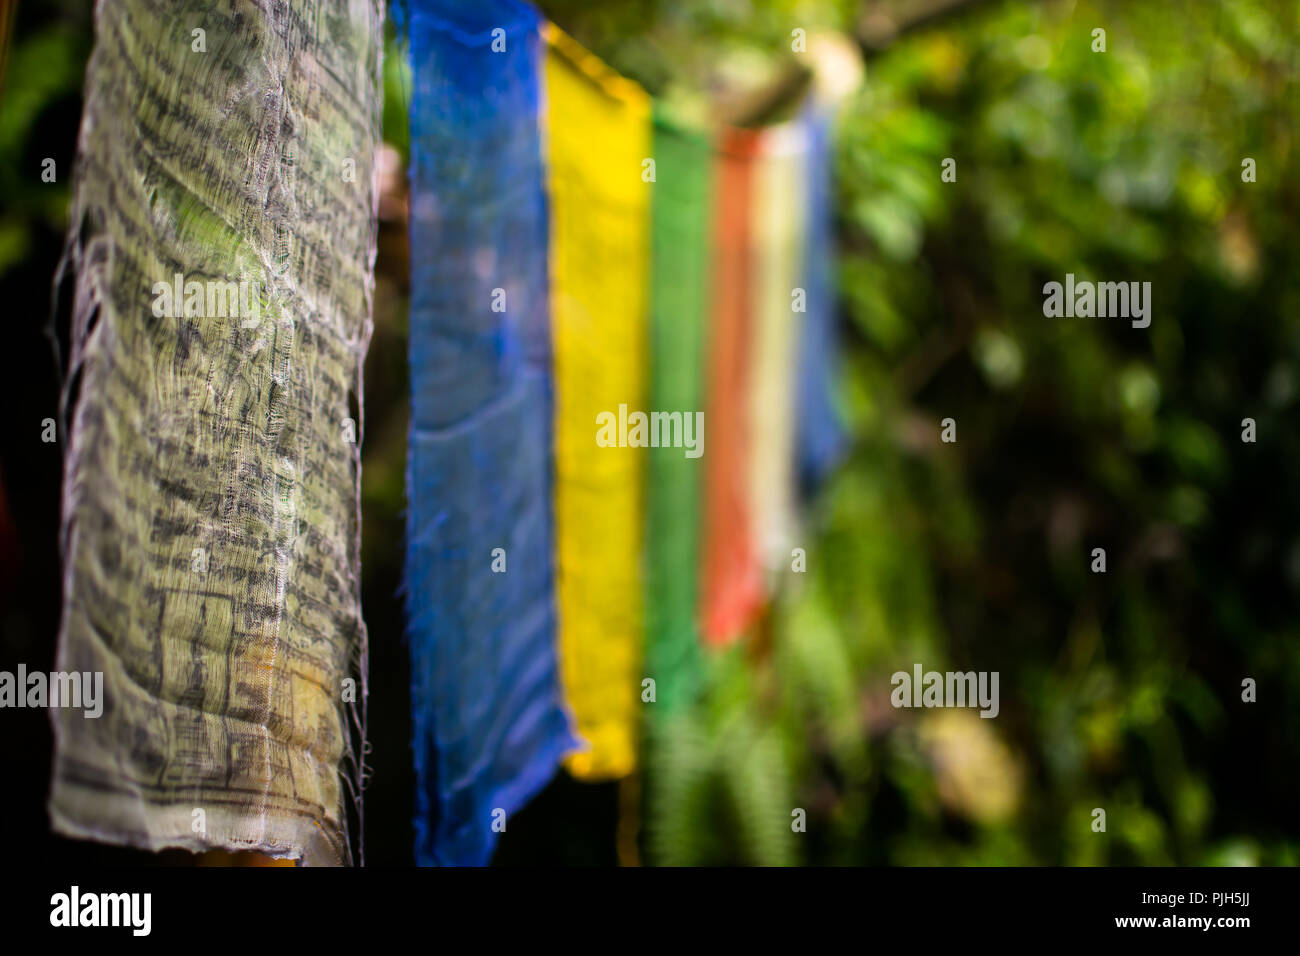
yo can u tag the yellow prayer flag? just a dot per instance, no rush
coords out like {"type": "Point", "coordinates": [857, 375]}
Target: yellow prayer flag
{"type": "Point", "coordinates": [598, 128]}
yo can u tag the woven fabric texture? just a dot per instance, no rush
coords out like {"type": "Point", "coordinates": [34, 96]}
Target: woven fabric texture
{"type": "Point", "coordinates": [211, 540]}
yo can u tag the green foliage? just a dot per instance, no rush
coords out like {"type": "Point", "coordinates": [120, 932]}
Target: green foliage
{"type": "Point", "coordinates": [42, 86]}
{"type": "Point", "coordinates": [1123, 690]}
{"type": "Point", "coordinates": [721, 788]}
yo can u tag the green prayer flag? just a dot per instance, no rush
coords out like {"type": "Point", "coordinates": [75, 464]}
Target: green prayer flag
{"type": "Point", "coordinates": [679, 292]}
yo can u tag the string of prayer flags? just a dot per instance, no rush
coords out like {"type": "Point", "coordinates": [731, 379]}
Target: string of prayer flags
{"type": "Point", "coordinates": [593, 284]}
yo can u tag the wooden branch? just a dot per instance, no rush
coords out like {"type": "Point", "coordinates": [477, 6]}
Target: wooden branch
{"type": "Point", "coordinates": [879, 27]}
{"type": "Point", "coordinates": [760, 106]}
